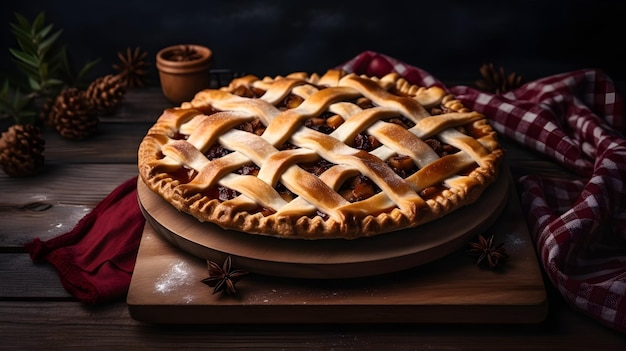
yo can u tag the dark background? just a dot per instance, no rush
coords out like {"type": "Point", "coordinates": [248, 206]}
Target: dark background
{"type": "Point", "coordinates": [450, 39]}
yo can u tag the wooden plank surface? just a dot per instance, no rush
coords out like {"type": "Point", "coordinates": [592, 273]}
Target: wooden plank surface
{"type": "Point", "coordinates": [28, 325]}
{"type": "Point", "coordinates": [43, 280]}
{"type": "Point", "coordinates": [53, 202]}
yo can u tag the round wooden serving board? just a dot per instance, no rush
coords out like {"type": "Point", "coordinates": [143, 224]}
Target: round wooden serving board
{"type": "Point", "coordinates": [326, 258]}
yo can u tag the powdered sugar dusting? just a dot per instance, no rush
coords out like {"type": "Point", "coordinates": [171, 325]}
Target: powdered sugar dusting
{"type": "Point", "coordinates": [178, 275]}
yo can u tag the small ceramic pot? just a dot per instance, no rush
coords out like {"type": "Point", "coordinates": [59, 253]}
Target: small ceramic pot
{"type": "Point", "coordinates": [184, 71]}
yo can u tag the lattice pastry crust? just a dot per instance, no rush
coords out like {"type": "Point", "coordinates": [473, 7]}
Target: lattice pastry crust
{"type": "Point", "coordinates": [312, 157]}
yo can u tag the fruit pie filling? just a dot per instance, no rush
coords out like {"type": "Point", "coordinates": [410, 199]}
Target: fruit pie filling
{"type": "Point", "coordinates": [354, 189]}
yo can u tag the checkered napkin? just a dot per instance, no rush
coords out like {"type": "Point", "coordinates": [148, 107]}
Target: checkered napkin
{"type": "Point", "coordinates": [579, 226]}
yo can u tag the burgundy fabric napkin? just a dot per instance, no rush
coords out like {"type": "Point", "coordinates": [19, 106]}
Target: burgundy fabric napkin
{"type": "Point", "coordinates": [96, 259]}
{"type": "Point", "coordinates": [579, 226]}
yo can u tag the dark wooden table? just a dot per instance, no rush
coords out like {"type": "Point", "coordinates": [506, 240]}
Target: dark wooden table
{"type": "Point", "coordinates": [36, 312]}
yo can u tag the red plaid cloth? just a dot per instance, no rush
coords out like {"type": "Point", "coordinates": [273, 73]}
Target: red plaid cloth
{"type": "Point", "coordinates": [579, 227]}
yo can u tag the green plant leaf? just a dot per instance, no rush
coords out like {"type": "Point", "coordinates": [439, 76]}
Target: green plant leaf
{"type": "Point", "coordinates": [44, 31]}
{"type": "Point", "coordinates": [43, 70]}
{"type": "Point", "coordinates": [16, 105]}
{"type": "Point", "coordinates": [34, 84]}
{"type": "Point", "coordinates": [24, 57]}
{"type": "Point", "coordinates": [23, 31]}
{"type": "Point", "coordinates": [53, 82]}
{"type": "Point", "coordinates": [24, 40]}
{"type": "Point", "coordinates": [19, 31]}
{"type": "Point", "coordinates": [29, 70]}
{"type": "Point", "coordinates": [22, 21]}
{"type": "Point", "coordinates": [38, 23]}
{"type": "Point", "coordinates": [86, 68]}
{"type": "Point", "coordinates": [44, 63]}
{"type": "Point", "coordinates": [48, 43]}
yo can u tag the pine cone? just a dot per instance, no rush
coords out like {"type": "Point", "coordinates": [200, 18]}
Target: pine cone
{"type": "Point", "coordinates": [73, 115]}
{"type": "Point", "coordinates": [133, 67]}
{"type": "Point", "coordinates": [496, 81]}
{"type": "Point", "coordinates": [21, 150]}
{"type": "Point", "coordinates": [105, 93]}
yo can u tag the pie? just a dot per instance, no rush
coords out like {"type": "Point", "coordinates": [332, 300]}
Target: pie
{"type": "Point", "coordinates": [327, 156]}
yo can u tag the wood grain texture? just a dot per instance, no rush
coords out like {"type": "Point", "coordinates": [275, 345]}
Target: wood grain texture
{"type": "Point", "coordinates": [52, 202]}
{"type": "Point", "coordinates": [43, 280]}
{"type": "Point", "coordinates": [71, 326]}
{"type": "Point", "coordinates": [112, 143]}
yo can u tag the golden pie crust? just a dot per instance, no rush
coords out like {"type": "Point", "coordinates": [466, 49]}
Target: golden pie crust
{"type": "Point", "coordinates": [314, 156]}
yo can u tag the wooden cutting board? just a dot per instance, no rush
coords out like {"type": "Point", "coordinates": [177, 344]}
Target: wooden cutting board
{"type": "Point", "coordinates": [166, 284]}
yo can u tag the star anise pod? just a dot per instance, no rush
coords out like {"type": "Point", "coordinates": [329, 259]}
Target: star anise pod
{"type": "Point", "coordinates": [223, 278]}
{"type": "Point", "coordinates": [186, 53]}
{"type": "Point", "coordinates": [487, 252]}
{"type": "Point", "coordinates": [496, 80]}
{"type": "Point", "coordinates": [132, 67]}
